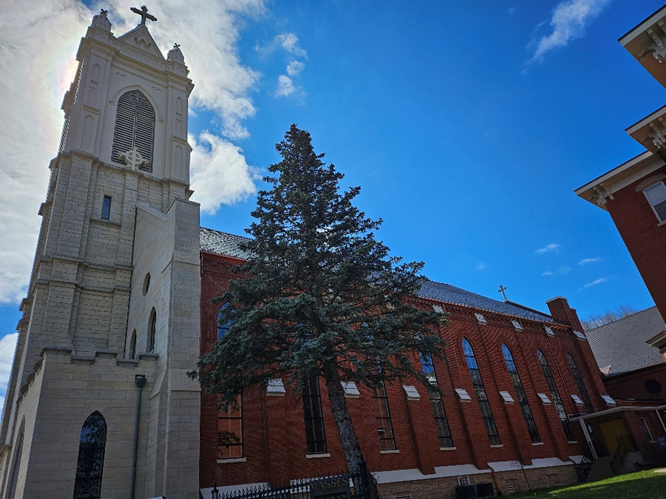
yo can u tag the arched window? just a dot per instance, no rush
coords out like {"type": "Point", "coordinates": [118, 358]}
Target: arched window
{"type": "Point", "coordinates": [152, 330]}
{"type": "Point", "coordinates": [223, 327]}
{"type": "Point", "coordinates": [90, 464]}
{"type": "Point", "coordinates": [135, 126]}
{"type": "Point", "coordinates": [132, 346]}
{"type": "Point", "coordinates": [520, 393]}
{"type": "Point", "coordinates": [441, 423]}
{"type": "Point", "coordinates": [16, 464]}
{"type": "Point", "coordinates": [480, 391]}
{"type": "Point", "coordinates": [579, 382]}
{"type": "Point", "coordinates": [554, 392]}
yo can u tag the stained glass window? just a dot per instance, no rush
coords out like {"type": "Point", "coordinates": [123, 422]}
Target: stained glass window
{"type": "Point", "coordinates": [90, 464]}
{"type": "Point", "coordinates": [481, 396]}
{"type": "Point", "coordinates": [441, 423]}
{"type": "Point", "coordinates": [554, 392]}
{"type": "Point", "coordinates": [520, 393]}
{"type": "Point", "coordinates": [223, 327]}
{"type": "Point", "coordinates": [579, 382]}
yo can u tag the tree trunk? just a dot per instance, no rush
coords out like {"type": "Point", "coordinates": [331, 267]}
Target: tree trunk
{"type": "Point", "coordinates": [355, 461]}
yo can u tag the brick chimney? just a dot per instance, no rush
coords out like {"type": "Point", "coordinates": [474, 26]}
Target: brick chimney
{"type": "Point", "coordinates": [562, 312]}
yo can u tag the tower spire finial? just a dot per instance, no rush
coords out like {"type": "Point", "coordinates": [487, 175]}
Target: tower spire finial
{"type": "Point", "coordinates": [143, 12]}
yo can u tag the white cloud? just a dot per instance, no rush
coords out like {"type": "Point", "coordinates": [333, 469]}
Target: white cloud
{"type": "Point", "coordinates": [220, 174]}
{"type": "Point", "coordinates": [481, 266]}
{"type": "Point", "coordinates": [568, 23]}
{"type": "Point", "coordinates": [594, 283]}
{"type": "Point", "coordinates": [295, 67]}
{"type": "Point", "coordinates": [289, 42]}
{"type": "Point", "coordinates": [585, 261]}
{"type": "Point", "coordinates": [546, 249]}
{"type": "Point", "coordinates": [560, 271]}
{"type": "Point", "coordinates": [7, 348]}
{"type": "Point", "coordinates": [285, 86]}
{"type": "Point", "coordinates": [34, 76]}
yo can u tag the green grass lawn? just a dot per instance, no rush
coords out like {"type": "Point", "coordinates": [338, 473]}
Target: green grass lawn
{"type": "Point", "coordinates": [641, 485]}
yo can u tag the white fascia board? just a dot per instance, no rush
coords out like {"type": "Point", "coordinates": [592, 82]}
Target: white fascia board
{"type": "Point", "coordinates": [642, 27]}
{"type": "Point", "coordinates": [646, 121]}
{"type": "Point", "coordinates": [614, 172]}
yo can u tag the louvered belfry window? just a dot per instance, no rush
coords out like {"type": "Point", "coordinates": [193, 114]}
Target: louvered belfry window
{"type": "Point", "coordinates": [135, 126]}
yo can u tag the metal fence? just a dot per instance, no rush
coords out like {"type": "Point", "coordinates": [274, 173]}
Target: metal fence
{"type": "Point", "coordinates": [335, 486]}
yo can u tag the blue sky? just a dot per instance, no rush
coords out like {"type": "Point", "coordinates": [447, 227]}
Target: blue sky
{"type": "Point", "coordinates": [467, 124]}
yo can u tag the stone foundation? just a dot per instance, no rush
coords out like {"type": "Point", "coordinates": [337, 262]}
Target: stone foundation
{"type": "Point", "coordinates": [507, 482]}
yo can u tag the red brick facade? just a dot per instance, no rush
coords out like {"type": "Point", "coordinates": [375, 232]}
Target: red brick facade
{"type": "Point", "coordinates": [643, 234]}
{"type": "Point", "coordinates": [274, 439]}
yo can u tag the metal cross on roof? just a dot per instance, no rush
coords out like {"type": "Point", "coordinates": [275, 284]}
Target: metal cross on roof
{"type": "Point", "coordinates": [502, 289]}
{"type": "Point", "coordinates": [143, 12]}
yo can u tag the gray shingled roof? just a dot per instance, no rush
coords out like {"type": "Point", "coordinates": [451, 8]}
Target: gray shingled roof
{"type": "Point", "coordinates": [221, 243]}
{"type": "Point", "coordinates": [621, 344]}
{"type": "Point", "coordinates": [457, 296]}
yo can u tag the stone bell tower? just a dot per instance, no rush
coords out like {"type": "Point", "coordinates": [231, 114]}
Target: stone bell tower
{"type": "Point", "coordinates": [99, 404]}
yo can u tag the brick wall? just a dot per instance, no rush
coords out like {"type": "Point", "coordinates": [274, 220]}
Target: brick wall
{"type": "Point", "coordinates": [644, 238]}
{"type": "Point", "coordinates": [274, 430]}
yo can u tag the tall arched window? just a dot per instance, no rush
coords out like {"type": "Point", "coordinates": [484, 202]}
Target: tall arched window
{"type": "Point", "coordinates": [16, 464]}
{"type": "Point", "coordinates": [90, 464]}
{"type": "Point", "coordinates": [579, 382]}
{"type": "Point", "coordinates": [132, 346]}
{"type": "Point", "coordinates": [152, 330]}
{"type": "Point", "coordinates": [554, 392]}
{"type": "Point", "coordinates": [520, 393]}
{"type": "Point", "coordinates": [223, 327]}
{"type": "Point", "coordinates": [480, 391]}
{"type": "Point", "coordinates": [441, 423]}
{"type": "Point", "coordinates": [135, 126]}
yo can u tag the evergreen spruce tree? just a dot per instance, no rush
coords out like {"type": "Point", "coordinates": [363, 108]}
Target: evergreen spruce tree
{"type": "Point", "coordinates": [319, 296]}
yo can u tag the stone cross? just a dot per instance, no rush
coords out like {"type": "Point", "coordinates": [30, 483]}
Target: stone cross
{"type": "Point", "coordinates": [143, 12]}
{"type": "Point", "coordinates": [502, 289]}
{"type": "Point", "coordinates": [132, 158]}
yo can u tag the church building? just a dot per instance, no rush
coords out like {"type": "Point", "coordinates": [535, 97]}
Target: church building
{"type": "Point", "coordinates": [119, 309]}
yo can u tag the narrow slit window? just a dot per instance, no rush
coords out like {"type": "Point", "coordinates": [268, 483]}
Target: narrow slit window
{"type": "Point", "coordinates": [579, 382]}
{"type": "Point", "coordinates": [436, 403]}
{"type": "Point", "coordinates": [132, 348]}
{"type": "Point", "coordinates": [520, 393]}
{"type": "Point", "coordinates": [106, 208]}
{"type": "Point", "coordinates": [481, 396]}
{"type": "Point", "coordinates": [230, 431]}
{"type": "Point", "coordinates": [555, 394]}
{"type": "Point", "coordinates": [152, 331]}
{"type": "Point", "coordinates": [314, 417]}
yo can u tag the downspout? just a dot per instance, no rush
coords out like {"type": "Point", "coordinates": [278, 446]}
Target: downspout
{"type": "Point", "coordinates": [139, 381]}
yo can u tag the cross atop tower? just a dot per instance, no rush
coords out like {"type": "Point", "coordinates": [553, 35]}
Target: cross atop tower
{"type": "Point", "coordinates": [143, 12]}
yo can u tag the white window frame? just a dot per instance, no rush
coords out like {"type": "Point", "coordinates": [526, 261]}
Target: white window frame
{"type": "Point", "coordinates": [650, 202]}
